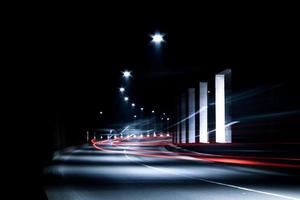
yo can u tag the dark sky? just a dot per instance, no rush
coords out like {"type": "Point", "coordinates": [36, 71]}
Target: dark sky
{"type": "Point", "coordinates": [77, 57]}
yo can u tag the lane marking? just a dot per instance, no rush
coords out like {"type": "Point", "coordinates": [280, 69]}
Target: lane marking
{"type": "Point", "coordinates": [212, 182]}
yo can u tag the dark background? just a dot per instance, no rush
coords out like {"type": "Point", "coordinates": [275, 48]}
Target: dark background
{"type": "Point", "coordinates": [68, 67]}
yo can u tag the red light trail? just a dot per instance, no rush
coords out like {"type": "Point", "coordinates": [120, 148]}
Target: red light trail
{"type": "Point", "coordinates": [131, 147]}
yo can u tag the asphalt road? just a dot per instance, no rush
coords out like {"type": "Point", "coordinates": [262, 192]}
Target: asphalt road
{"type": "Point", "coordinates": [109, 171]}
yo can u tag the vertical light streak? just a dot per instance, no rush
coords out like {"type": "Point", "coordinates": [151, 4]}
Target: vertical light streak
{"type": "Point", "coordinates": [203, 112]}
{"type": "Point", "coordinates": [192, 119]}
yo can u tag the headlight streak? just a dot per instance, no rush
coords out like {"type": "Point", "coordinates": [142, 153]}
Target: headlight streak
{"type": "Point", "coordinates": [229, 159]}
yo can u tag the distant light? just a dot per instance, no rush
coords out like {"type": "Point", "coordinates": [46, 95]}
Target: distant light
{"type": "Point", "coordinates": [141, 136]}
{"type": "Point", "coordinates": [148, 135]}
{"type": "Point", "coordinates": [168, 135]}
{"type": "Point", "coordinates": [122, 89]}
{"type": "Point", "coordinates": [208, 91]}
{"type": "Point", "coordinates": [154, 134]}
{"type": "Point", "coordinates": [126, 74]}
{"type": "Point", "coordinates": [133, 104]}
{"type": "Point", "coordinates": [134, 116]}
{"type": "Point", "coordinates": [164, 113]}
{"type": "Point", "coordinates": [157, 38]}
{"type": "Point", "coordinates": [126, 98]}
{"type": "Point", "coordinates": [152, 111]}
{"type": "Point", "coordinates": [134, 136]}
{"type": "Point", "coordinates": [168, 118]}
{"type": "Point", "coordinates": [161, 135]}
{"type": "Point", "coordinates": [142, 109]}
{"type": "Point", "coordinates": [162, 118]}
{"type": "Point", "coordinates": [101, 112]}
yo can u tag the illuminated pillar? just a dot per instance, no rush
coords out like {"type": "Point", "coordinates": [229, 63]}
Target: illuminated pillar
{"type": "Point", "coordinates": [223, 84]}
{"type": "Point", "coordinates": [203, 112]}
{"type": "Point", "coordinates": [183, 118]}
{"type": "Point", "coordinates": [192, 117]}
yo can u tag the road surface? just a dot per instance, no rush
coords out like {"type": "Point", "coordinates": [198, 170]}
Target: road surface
{"type": "Point", "coordinates": [111, 171]}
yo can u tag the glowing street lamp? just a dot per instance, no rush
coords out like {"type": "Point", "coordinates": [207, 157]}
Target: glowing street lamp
{"type": "Point", "coordinates": [142, 109]}
{"type": "Point", "coordinates": [157, 38]}
{"type": "Point", "coordinates": [152, 111]}
{"type": "Point", "coordinates": [133, 104]}
{"type": "Point", "coordinates": [122, 89]}
{"type": "Point", "coordinates": [126, 74]}
{"type": "Point", "coordinates": [126, 98]}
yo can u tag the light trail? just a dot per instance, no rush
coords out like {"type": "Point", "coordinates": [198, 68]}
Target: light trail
{"type": "Point", "coordinates": [227, 159]}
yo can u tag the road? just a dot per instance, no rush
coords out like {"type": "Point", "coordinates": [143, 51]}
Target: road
{"type": "Point", "coordinates": [145, 170]}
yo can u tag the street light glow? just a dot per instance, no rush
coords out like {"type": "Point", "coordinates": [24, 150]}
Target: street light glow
{"type": "Point", "coordinates": [142, 109]}
{"type": "Point", "coordinates": [157, 38]}
{"type": "Point", "coordinates": [134, 116]}
{"type": "Point", "coordinates": [101, 112]}
{"type": "Point", "coordinates": [122, 89]}
{"type": "Point", "coordinates": [168, 118]}
{"type": "Point", "coordinates": [152, 111]}
{"type": "Point", "coordinates": [126, 74]}
{"type": "Point", "coordinates": [126, 98]}
{"type": "Point", "coordinates": [133, 104]}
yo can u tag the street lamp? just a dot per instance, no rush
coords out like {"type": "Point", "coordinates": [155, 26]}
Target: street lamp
{"type": "Point", "coordinates": [133, 104]}
{"type": "Point", "coordinates": [142, 109]}
{"type": "Point", "coordinates": [157, 38]}
{"type": "Point", "coordinates": [126, 74]}
{"type": "Point", "coordinates": [152, 111]}
{"type": "Point", "coordinates": [126, 98]}
{"type": "Point", "coordinates": [101, 113]}
{"type": "Point", "coordinates": [134, 116]}
{"type": "Point", "coordinates": [122, 89]}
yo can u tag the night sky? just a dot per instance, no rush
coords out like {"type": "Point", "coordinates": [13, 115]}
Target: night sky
{"type": "Point", "coordinates": [74, 60]}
